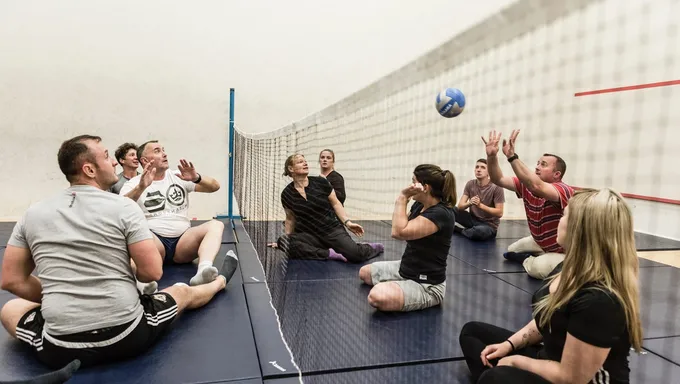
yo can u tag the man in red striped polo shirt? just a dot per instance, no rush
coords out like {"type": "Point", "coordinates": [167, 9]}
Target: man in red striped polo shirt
{"type": "Point", "coordinates": [545, 197]}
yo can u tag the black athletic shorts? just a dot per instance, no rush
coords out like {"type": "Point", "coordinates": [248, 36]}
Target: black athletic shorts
{"type": "Point", "coordinates": [104, 345]}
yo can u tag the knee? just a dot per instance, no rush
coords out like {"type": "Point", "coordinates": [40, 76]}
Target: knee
{"type": "Point", "coordinates": [470, 328]}
{"type": "Point", "coordinates": [4, 318]}
{"type": "Point", "coordinates": [215, 226]}
{"type": "Point", "coordinates": [379, 298]}
{"type": "Point", "coordinates": [376, 298]}
{"type": "Point", "coordinates": [365, 274]}
{"type": "Point", "coordinates": [8, 313]}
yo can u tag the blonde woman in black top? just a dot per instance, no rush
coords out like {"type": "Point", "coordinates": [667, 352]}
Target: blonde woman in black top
{"type": "Point", "coordinates": [588, 313]}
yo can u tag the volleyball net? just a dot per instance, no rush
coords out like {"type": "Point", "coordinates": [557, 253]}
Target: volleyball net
{"type": "Point", "coordinates": [594, 82]}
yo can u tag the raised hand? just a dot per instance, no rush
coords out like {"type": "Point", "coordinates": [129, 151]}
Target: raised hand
{"type": "Point", "coordinates": [492, 143]}
{"type": "Point", "coordinates": [148, 174]}
{"type": "Point", "coordinates": [412, 190]}
{"type": "Point", "coordinates": [509, 145]}
{"type": "Point", "coordinates": [187, 170]}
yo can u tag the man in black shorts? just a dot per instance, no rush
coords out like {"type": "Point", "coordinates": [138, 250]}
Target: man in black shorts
{"type": "Point", "coordinates": [83, 301]}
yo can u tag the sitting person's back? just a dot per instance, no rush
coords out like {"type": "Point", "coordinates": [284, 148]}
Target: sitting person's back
{"type": "Point", "coordinates": [89, 247]}
{"type": "Point", "coordinates": [78, 239]}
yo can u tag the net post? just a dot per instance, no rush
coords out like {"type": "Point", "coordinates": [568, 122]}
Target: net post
{"type": "Point", "coordinates": [231, 157]}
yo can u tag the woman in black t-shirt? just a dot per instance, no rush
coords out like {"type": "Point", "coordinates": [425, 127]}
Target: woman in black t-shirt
{"type": "Point", "coordinates": [327, 163]}
{"type": "Point", "coordinates": [316, 220]}
{"type": "Point", "coordinates": [586, 316]}
{"type": "Point", "coordinates": [418, 280]}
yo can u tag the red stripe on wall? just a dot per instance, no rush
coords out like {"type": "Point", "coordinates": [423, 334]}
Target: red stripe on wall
{"type": "Point", "coordinates": [647, 198]}
{"type": "Point", "coordinates": [629, 88]}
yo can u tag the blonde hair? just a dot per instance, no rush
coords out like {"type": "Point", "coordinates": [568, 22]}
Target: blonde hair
{"type": "Point", "coordinates": [600, 249]}
{"type": "Point", "coordinates": [290, 161]}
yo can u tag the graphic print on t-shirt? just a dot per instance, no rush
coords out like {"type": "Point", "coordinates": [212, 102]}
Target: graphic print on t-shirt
{"type": "Point", "coordinates": [176, 195]}
{"type": "Point", "coordinates": [155, 200]}
{"type": "Point", "coordinates": [165, 203]}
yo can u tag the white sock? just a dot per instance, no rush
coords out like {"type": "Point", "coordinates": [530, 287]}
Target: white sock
{"type": "Point", "coordinates": [206, 273]}
{"type": "Point", "coordinates": [147, 288]}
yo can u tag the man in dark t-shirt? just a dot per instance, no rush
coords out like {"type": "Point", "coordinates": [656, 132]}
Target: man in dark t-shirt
{"type": "Point", "coordinates": [485, 200]}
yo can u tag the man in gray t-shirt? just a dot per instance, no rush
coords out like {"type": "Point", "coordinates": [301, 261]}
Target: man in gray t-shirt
{"type": "Point", "coordinates": [88, 247]}
{"type": "Point", "coordinates": [485, 201]}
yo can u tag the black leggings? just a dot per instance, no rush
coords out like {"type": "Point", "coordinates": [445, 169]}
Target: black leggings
{"type": "Point", "coordinates": [475, 336]}
{"type": "Point", "coordinates": [308, 246]}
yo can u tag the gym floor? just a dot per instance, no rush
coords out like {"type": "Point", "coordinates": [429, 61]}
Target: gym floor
{"type": "Point", "coordinates": [281, 319]}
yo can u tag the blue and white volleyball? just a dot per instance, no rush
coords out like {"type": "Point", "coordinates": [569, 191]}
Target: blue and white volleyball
{"type": "Point", "coordinates": [450, 102]}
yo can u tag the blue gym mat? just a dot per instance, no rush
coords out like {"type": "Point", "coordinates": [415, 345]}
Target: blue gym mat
{"type": "Point", "coordinates": [281, 317]}
{"type": "Point", "coordinates": [212, 344]}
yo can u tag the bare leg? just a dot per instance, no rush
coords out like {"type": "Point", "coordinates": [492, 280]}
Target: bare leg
{"type": "Point", "coordinates": [204, 242]}
{"type": "Point", "coordinates": [365, 274]}
{"type": "Point", "coordinates": [386, 297]}
{"type": "Point", "coordinates": [12, 312]}
{"type": "Point", "coordinates": [195, 297]}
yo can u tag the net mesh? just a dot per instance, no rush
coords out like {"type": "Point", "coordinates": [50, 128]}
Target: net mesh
{"type": "Point", "coordinates": [591, 81]}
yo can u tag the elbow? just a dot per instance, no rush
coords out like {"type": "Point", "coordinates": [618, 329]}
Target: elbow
{"type": "Point", "coordinates": [494, 178]}
{"type": "Point", "coordinates": [149, 276]}
{"type": "Point", "coordinates": [499, 214]}
{"type": "Point", "coordinates": [7, 285]}
{"type": "Point", "coordinates": [10, 284]}
{"type": "Point", "coordinates": [396, 235]}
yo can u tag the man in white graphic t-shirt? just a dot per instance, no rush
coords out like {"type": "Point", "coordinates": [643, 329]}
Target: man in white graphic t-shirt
{"type": "Point", "coordinates": [163, 195]}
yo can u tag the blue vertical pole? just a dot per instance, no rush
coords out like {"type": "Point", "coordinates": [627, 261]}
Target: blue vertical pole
{"type": "Point", "coordinates": [231, 154]}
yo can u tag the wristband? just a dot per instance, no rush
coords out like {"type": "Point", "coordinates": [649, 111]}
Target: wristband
{"type": "Point", "coordinates": [199, 178]}
{"type": "Point", "coordinates": [511, 344]}
{"type": "Point", "coordinates": [345, 222]}
{"type": "Point", "coordinates": [513, 158]}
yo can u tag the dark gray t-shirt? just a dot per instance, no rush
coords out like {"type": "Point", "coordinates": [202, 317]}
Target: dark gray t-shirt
{"type": "Point", "coordinates": [119, 184]}
{"type": "Point", "coordinates": [489, 195]}
{"type": "Point", "coordinates": [81, 257]}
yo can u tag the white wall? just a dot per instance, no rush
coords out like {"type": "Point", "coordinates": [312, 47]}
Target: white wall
{"type": "Point", "coordinates": [520, 69]}
{"type": "Point", "coordinates": [134, 70]}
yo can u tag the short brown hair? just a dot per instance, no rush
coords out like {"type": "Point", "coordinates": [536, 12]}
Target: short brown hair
{"type": "Point", "coordinates": [560, 164]}
{"type": "Point", "coordinates": [140, 150]}
{"type": "Point", "coordinates": [123, 150]}
{"type": "Point", "coordinates": [73, 153]}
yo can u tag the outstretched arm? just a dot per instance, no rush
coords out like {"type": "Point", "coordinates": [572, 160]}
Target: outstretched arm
{"type": "Point", "coordinates": [495, 172]}
{"type": "Point", "coordinates": [342, 215]}
{"type": "Point", "coordinates": [534, 184]}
